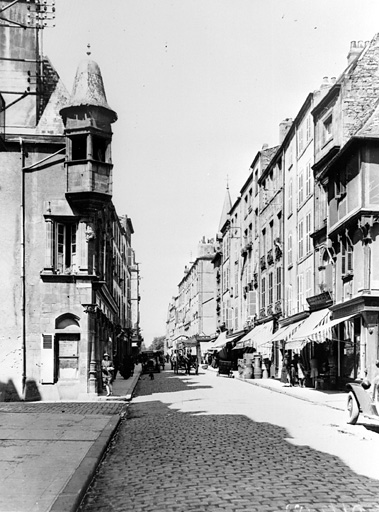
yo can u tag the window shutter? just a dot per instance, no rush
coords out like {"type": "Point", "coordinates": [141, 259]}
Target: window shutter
{"type": "Point", "coordinates": [252, 303]}
{"type": "Point", "coordinates": [350, 261]}
{"type": "Point", "coordinates": [270, 288]}
{"type": "Point", "coordinates": [47, 359]}
{"type": "Point", "coordinates": [343, 259]}
{"type": "Point", "coordinates": [279, 283]}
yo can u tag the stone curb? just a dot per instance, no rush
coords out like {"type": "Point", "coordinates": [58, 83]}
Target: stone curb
{"type": "Point", "coordinates": [73, 493]}
{"type": "Point", "coordinates": [285, 391]}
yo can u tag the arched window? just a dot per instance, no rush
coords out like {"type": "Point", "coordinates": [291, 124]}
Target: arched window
{"type": "Point", "coordinates": [67, 320]}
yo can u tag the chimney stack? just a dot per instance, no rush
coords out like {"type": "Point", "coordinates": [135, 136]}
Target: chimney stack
{"type": "Point", "coordinates": [356, 48]}
{"type": "Point", "coordinates": [284, 127]}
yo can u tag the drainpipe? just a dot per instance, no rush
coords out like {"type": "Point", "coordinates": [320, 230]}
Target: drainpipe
{"type": "Point", "coordinates": [22, 242]}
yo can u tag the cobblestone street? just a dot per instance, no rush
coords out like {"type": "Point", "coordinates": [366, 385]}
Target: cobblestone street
{"type": "Point", "coordinates": [176, 452]}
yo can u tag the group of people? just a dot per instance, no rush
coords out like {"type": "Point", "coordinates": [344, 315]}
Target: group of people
{"type": "Point", "coordinates": [181, 358]}
{"type": "Point", "coordinates": [296, 373]}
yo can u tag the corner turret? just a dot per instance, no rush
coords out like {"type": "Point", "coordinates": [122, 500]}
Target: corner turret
{"type": "Point", "coordinates": [87, 119]}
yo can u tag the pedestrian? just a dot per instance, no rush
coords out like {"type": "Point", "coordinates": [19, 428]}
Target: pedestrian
{"type": "Point", "coordinates": [287, 368]}
{"type": "Point", "coordinates": [107, 370]}
{"type": "Point", "coordinates": [314, 370]}
{"type": "Point", "coordinates": [293, 374]}
{"type": "Point", "coordinates": [295, 370]}
{"type": "Point", "coordinates": [301, 375]}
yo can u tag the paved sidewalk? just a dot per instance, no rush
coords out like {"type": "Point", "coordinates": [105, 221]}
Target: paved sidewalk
{"type": "Point", "coordinates": [332, 398]}
{"type": "Point", "coordinates": [49, 452]}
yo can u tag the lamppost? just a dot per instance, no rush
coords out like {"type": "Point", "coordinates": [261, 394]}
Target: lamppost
{"type": "Point", "coordinates": [91, 310]}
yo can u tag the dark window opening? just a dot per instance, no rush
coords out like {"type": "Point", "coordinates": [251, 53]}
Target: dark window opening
{"type": "Point", "coordinates": [79, 147]}
{"type": "Point", "coordinates": [100, 149]}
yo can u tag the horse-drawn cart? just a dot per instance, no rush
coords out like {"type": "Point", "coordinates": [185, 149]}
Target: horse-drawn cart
{"type": "Point", "coordinates": [187, 356]}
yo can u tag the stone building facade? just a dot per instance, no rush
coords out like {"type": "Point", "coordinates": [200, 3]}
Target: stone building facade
{"type": "Point", "coordinates": [66, 260]}
{"type": "Point", "coordinates": [294, 262]}
{"type": "Point", "coordinates": [191, 311]}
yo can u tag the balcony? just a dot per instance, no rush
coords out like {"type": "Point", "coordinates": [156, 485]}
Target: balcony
{"type": "Point", "coordinates": [278, 306]}
{"type": "Point", "coordinates": [270, 257]}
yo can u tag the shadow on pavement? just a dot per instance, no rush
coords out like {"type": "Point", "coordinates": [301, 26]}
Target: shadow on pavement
{"type": "Point", "coordinates": [165, 383]}
{"type": "Point", "coordinates": [171, 461]}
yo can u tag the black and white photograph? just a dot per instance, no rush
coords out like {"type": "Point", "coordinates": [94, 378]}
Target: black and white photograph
{"type": "Point", "coordinates": [189, 256]}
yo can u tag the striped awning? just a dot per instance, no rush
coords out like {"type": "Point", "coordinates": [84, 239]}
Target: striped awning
{"type": "Point", "coordinates": [323, 331]}
{"type": "Point", "coordinates": [257, 338]}
{"type": "Point", "coordinates": [313, 321]}
{"type": "Point", "coordinates": [286, 332]}
{"type": "Point", "coordinates": [221, 342]}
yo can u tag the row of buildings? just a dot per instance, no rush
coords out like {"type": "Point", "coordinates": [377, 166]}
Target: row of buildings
{"type": "Point", "coordinates": [294, 257]}
{"type": "Point", "coordinates": [70, 281]}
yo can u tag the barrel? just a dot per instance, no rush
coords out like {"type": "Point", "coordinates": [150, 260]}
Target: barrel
{"type": "Point", "coordinates": [257, 366]}
{"type": "Point", "coordinates": [241, 367]}
{"type": "Point", "coordinates": [248, 372]}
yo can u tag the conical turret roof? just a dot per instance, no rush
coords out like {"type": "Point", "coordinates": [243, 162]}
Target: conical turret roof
{"type": "Point", "coordinates": [88, 89]}
{"type": "Point", "coordinates": [225, 209]}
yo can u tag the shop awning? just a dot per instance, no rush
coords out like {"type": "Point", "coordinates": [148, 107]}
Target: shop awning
{"type": "Point", "coordinates": [323, 331]}
{"type": "Point", "coordinates": [204, 346]}
{"type": "Point", "coordinates": [284, 333]}
{"type": "Point", "coordinates": [312, 322]}
{"type": "Point", "coordinates": [221, 341]}
{"type": "Point", "coordinates": [240, 344]}
{"type": "Point", "coordinates": [257, 337]}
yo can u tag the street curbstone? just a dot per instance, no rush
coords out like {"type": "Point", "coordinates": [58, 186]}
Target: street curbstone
{"type": "Point", "coordinates": [73, 493]}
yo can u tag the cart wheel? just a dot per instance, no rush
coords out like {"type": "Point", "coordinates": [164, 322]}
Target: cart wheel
{"type": "Point", "coordinates": [352, 409]}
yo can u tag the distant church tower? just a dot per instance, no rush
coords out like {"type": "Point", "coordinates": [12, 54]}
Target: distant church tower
{"type": "Point", "coordinates": [87, 120]}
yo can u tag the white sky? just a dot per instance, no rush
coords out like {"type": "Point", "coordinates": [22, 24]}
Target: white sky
{"type": "Point", "coordinates": [199, 86]}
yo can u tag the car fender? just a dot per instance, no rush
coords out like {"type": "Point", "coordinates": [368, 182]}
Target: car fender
{"type": "Point", "coordinates": [362, 397]}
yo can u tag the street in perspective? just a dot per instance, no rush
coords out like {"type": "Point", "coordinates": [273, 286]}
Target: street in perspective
{"type": "Point", "coordinates": [189, 213]}
{"type": "Point", "coordinates": [212, 443]}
